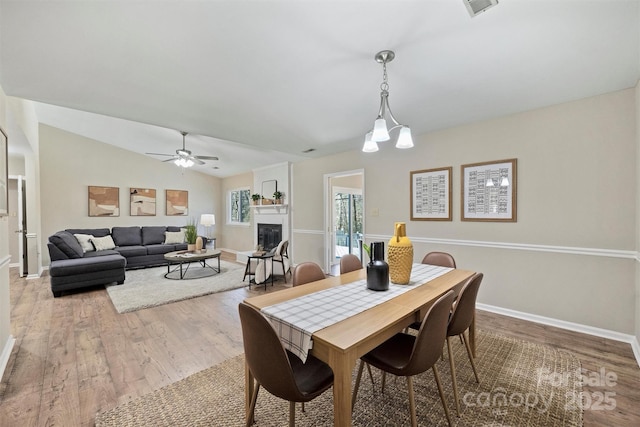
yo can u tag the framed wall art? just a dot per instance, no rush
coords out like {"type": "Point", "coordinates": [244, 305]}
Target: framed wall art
{"type": "Point", "coordinates": [177, 202]}
{"type": "Point", "coordinates": [489, 191]}
{"type": "Point", "coordinates": [431, 194]}
{"type": "Point", "coordinates": [142, 201]}
{"type": "Point", "coordinates": [104, 201]}
{"type": "Point", "coordinates": [4, 173]}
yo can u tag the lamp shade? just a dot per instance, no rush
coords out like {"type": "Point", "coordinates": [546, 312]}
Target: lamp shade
{"type": "Point", "coordinates": [380, 132]}
{"type": "Point", "coordinates": [404, 138]}
{"type": "Point", "coordinates": [369, 145]}
{"type": "Point", "coordinates": [207, 220]}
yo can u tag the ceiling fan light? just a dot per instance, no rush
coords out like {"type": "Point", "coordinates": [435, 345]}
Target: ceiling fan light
{"type": "Point", "coordinates": [380, 132]}
{"type": "Point", "coordinates": [404, 138]}
{"type": "Point", "coordinates": [370, 146]}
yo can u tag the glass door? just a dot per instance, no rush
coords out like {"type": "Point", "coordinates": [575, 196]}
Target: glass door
{"type": "Point", "coordinates": [348, 225]}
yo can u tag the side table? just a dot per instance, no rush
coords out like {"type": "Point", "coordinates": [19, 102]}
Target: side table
{"type": "Point", "coordinates": [250, 271]}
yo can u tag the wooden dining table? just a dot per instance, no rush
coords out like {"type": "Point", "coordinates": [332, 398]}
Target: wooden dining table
{"type": "Point", "coordinates": [343, 343]}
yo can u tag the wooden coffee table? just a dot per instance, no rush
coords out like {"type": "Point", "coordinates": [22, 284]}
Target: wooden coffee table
{"type": "Point", "coordinates": [178, 259]}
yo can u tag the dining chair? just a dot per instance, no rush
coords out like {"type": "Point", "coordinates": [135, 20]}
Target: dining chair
{"type": "Point", "coordinates": [307, 272]}
{"type": "Point", "coordinates": [281, 256]}
{"type": "Point", "coordinates": [349, 262]}
{"type": "Point", "coordinates": [406, 355]}
{"type": "Point", "coordinates": [459, 323]}
{"type": "Point", "coordinates": [279, 371]}
{"type": "Point", "coordinates": [442, 259]}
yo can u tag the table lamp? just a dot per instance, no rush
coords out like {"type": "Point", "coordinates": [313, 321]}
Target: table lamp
{"type": "Point", "coordinates": [207, 220]}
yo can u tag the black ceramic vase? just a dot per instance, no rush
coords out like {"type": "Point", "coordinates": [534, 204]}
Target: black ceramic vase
{"type": "Point", "coordinates": [377, 269]}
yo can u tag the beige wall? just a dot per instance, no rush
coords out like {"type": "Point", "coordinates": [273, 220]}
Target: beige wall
{"type": "Point", "coordinates": [572, 247]}
{"type": "Point", "coordinates": [235, 237]}
{"type": "Point", "coordinates": [70, 163]}
{"type": "Point", "coordinates": [637, 230]}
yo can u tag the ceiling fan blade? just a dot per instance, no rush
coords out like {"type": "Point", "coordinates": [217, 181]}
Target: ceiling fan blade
{"type": "Point", "coordinates": [171, 159]}
{"type": "Point", "coordinates": [206, 157]}
{"type": "Point", "coordinates": [160, 154]}
{"type": "Point", "coordinates": [196, 160]}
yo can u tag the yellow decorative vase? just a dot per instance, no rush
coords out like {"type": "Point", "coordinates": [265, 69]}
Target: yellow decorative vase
{"type": "Point", "coordinates": [400, 257]}
{"type": "Point", "coordinates": [198, 244]}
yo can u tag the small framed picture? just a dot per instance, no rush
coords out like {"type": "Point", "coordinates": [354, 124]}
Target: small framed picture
{"type": "Point", "coordinates": [431, 194]}
{"type": "Point", "coordinates": [489, 191]}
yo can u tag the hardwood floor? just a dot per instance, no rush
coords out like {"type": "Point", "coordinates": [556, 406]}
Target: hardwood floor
{"type": "Point", "coordinates": [75, 355]}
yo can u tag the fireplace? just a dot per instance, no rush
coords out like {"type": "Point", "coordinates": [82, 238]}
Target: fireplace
{"type": "Point", "coordinates": [269, 235]}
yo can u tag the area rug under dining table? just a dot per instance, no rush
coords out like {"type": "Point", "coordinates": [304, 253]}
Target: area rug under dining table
{"type": "Point", "coordinates": [517, 388]}
{"type": "Point", "coordinates": [148, 287]}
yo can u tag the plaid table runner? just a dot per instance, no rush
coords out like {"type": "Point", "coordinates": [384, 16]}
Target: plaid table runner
{"type": "Point", "coordinates": [297, 319]}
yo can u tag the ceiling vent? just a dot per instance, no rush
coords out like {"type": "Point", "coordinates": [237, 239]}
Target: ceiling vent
{"type": "Point", "coordinates": [476, 7]}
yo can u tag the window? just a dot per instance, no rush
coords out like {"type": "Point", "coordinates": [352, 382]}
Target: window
{"type": "Point", "coordinates": [239, 206]}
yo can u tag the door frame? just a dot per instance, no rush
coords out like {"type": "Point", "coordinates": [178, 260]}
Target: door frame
{"type": "Point", "coordinates": [21, 233]}
{"type": "Point", "coordinates": [328, 212]}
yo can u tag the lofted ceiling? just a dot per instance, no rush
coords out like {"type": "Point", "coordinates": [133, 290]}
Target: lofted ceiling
{"type": "Point", "coordinates": [261, 82]}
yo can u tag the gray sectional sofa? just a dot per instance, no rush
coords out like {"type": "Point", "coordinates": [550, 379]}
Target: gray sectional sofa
{"type": "Point", "coordinates": [87, 257]}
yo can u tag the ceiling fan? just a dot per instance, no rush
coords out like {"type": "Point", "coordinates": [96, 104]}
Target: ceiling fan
{"type": "Point", "coordinates": [183, 157]}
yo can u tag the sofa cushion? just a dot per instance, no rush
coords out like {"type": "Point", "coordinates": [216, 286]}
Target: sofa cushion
{"type": "Point", "coordinates": [131, 251]}
{"type": "Point", "coordinates": [126, 236]}
{"type": "Point", "coordinates": [68, 267]}
{"type": "Point", "coordinates": [101, 253]}
{"type": "Point", "coordinates": [173, 237]}
{"type": "Point", "coordinates": [67, 244]}
{"type": "Point", "coordinates": [153, 235]}
{"type": "Point", "coordinates": [103, 243]}
{"type": "Point", "coordinates": [85, 242]}
{"type": "Point", "coordinates": [97, 232]}
{"type": "Point", "coordinates": [174, 228]}
{"type": "Point", "coordinates": [160, 249]}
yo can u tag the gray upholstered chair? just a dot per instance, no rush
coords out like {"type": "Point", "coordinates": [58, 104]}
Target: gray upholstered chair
{"type": "Point", "coordinates": [407, 355]}
{"type": "Point", "coordinates": [307, 272]}
{"type": "Point", "coordinates": [460, 321]}
{"type": "Point", "coordinates": [349, 262]}
{"type": "Point", "coordinates": [280, 372]}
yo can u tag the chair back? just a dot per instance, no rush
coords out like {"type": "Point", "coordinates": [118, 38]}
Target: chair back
{"type": "Point", "coordinates": [266, 357]}
{"type": "Point", "coordinates": [442, 259]}
{"type": "Point", "coordinates": [465, 307]}
{"type": "Point", "coordinates": [349, 263]}
{"type": "Point", "coordinates": [431, 336]}
{"type": "Point", "coordinates": [307, 272]}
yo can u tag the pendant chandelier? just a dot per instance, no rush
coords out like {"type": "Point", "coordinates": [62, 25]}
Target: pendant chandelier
{"type": "Point", "coordinates": [380, 131]}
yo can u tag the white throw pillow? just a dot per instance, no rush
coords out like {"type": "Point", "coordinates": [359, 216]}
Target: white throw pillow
{"type": "Point", "coordinates": [103, 243]}
{"type": "Point", "coordinates": [173, 237]}
{"type": "Point", "coordinates": [85, 242]}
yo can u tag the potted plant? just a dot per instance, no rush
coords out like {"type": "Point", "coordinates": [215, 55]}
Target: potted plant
{"type": "Point", "coordinates": [191, 234]}
{"type": "Point", "coordinates": [277, 195]}
{"type": "Point", "coordinates": [255, 197]}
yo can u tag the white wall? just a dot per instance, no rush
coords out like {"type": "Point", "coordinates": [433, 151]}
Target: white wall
{"type": "Point", "coordinates": [570, 256]}
{"type": "Point", "coordinates": [70, 163]}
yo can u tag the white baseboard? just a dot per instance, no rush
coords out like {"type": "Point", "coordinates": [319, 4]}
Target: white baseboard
{"type": "Point", "coordinates": [6, 353]}
{"type": "Point", "coordinates": [576, 327]}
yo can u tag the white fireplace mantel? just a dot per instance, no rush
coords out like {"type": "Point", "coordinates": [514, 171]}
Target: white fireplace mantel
{"type": "Point", "coordinates": [270, 209]}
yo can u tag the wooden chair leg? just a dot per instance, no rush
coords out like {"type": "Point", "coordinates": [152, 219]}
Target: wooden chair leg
{"type": "Point", "coordinates": [470, 353]}
{"type": "Point", "coordinates": [292, 414]}
{"type": "Point", "coordinates": [444, 402]}
{"type": "Point", "coordinates": [356, 386]}
{"type": "Point", "coordinates": [254, 398]}
{"type": "Point", "coordinates": [412, 403]}
{"type": "Point", "coordinates": [452, 365]}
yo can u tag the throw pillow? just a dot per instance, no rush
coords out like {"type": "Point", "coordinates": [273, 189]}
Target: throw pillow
{"type": "Point", "coordinates": [103, 243]}
{"type": "Point", "coordinates": [85, 242]}
{"type": "Point", "coordinates": [173, 237]}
